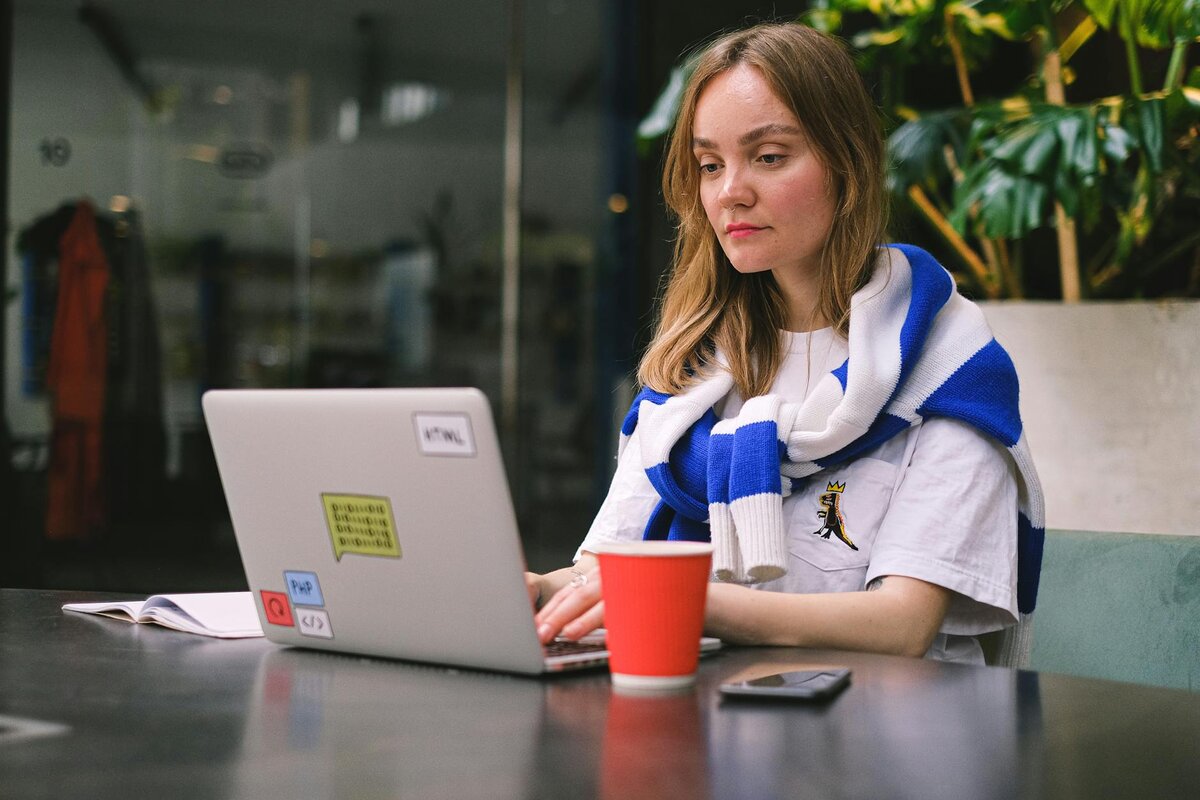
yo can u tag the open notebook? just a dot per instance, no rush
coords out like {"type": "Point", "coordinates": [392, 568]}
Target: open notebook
{"type": "Point", "coordinates": [225, 615]}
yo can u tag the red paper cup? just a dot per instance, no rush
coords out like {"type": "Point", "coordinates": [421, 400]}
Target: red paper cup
{"type": "Point", "coordinates": [654, 595]}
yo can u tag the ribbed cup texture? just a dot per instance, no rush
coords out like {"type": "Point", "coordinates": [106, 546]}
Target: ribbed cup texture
{"type": "Point", "coordinates": [654, 611]}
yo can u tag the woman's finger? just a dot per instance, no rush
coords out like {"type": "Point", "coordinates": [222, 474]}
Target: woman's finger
{"type": "Point", "coordinates": [585, 623]}
{"type": "Point", "coordinates": [568, 604]}
{"type": "Point", "coordinates": [587, 581]}
{"type": "Point", "coordinates": [533, 584]}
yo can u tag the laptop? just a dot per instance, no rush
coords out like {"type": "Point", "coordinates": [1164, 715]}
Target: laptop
{"type": "Point", "coordinates": [379, 522]}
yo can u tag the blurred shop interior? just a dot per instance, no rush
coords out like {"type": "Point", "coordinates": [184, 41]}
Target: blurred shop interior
{"type": "Point", "coordinates": [295, 193]}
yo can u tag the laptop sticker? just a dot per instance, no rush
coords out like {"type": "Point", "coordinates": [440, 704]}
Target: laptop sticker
{"type": "Point", "coordinates": [361, 524]}
{"type": "Point", "coordinates": [313, 622]}
{"type": "Point", "coordinates": [444, 434]}
{"type": "Point", "coordinates": [275, 605]}
{"type": "Point", "coordinates": [304, 588]}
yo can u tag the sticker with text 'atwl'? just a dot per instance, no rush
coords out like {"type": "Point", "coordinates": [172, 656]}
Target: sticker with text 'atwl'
{"type": "Point", "coordinates": [444, 434]}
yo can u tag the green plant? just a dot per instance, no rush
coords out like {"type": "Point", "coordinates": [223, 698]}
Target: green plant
{"type": "Point", "coordinates": [1116, 177]}
{"type": "Point", "coordinates": [987, 174]}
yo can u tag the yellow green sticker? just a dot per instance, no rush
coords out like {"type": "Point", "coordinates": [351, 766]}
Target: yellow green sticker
{"type": "Point", "coordinates": [361, 524]}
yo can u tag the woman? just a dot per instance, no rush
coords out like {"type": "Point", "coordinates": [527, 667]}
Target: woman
{"type": "Point", "coordinates": [827, 410]}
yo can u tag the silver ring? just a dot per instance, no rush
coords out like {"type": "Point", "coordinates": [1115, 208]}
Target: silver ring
{"type": "Point", "coordinates": [578, 579]}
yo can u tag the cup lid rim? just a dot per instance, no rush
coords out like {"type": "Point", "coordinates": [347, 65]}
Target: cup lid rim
{"type": "Point", "coordinates": [653, 548]}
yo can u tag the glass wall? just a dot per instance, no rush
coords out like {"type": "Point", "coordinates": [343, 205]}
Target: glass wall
{"type": "Point", "coordinates": [286, 193]}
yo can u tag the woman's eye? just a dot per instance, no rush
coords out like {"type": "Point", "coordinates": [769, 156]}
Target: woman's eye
{"type": "Point", "coordinates": [771, 158]}
{"type": "Point", "coordinates": [709, 168]}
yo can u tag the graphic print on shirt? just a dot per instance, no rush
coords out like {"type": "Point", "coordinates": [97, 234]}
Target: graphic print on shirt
{"type": "Point", "coordinates": [834, 524]}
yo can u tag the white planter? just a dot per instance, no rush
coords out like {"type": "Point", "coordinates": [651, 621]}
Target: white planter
{"type": "Point", "coordinates": [1110, 397]}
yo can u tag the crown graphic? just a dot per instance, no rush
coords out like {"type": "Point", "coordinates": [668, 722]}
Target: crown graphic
{"type": "Point", "coordinates": [835, 487]}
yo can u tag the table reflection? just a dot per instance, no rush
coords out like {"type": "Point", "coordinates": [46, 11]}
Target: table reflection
{"type": "Point", "coordinates": [324, 725]}
{"type": "Point", "coordinates": [890, 728]}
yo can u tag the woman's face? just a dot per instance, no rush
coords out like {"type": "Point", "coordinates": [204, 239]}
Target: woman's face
{"type": "Point", "coordinates": [767, 196]}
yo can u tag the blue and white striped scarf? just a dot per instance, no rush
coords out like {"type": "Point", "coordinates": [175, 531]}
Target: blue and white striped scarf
{"type": "Point", "coordinates": [917, 349]}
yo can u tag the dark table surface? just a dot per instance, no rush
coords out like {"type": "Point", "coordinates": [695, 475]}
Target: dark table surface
{"type": "Point", "coordinates": [95, 708]}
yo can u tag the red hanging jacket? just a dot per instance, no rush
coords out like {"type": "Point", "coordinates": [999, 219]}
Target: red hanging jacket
{"type": "Point", "coordinates": [75, 377]}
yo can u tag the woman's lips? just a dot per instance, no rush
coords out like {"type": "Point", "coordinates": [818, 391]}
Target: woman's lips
{"type": "Point", "coordinates": [740, 231]}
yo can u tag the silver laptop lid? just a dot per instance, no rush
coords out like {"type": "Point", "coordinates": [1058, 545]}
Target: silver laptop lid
{"type": "Point", "coordinates": [376, 521]}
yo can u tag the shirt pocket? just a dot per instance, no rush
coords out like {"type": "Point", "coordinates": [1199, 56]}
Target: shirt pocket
{"type": "Point", "coordinates": [837, 513]}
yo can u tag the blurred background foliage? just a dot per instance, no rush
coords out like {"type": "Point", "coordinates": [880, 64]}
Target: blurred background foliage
{"type": "Point", "coordinates": [1064, 162]}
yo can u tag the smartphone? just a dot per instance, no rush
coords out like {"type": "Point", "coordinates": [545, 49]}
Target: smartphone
{"type": "Point", "coordinates": [801, 685]}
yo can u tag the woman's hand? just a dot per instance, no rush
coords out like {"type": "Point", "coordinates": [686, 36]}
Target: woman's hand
{"type": "Point", "coordinates": [536, 584]}
{"type": "Point", "coordinates": [576, 609]}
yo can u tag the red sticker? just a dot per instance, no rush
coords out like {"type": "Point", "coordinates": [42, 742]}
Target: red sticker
{"type": "Point", "coordinates": [278, 611]}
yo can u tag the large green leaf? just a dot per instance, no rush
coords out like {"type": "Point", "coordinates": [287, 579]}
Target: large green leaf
{"type": "Point", "coordinates": [1010, 205]}
{"type": "Point", "coordinates": [1040, 156]}
{"type": "Point", "coordinates": [1103, 11]}
{"type": "Point", "coordinates": [917, 149]}
{"type": "Point", "coordinates": [1004, 18]}
{"type": "Point", "coordinates": [878, 38]}
{"type": "Point", "coordinates": [662, 114]}
{"type": "Point", "coordinates": [894, 8]}
{"type": "Point", "coordinates": [1150, 130]}
{"type": "Point", "coordinates": [1085, 159]}
{"type": "Point", "coordinates": [1072, 130]}
{"type": "Point", "coordinates": [1025, 158]}
{"type": "Point", "coordinates": [1155, 23]}
{"type": "Point", "coordinates": [1164, 22]}
{"type": "Point", "coordinates": [1118, 143]}
{"type": "Point", "coordinates": [826, 20]}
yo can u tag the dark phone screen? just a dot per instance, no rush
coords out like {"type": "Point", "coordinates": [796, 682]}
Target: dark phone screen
{"type": "Point", "coordinates": [816, 680]}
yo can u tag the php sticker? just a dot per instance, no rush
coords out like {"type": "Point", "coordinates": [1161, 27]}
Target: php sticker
{"type": "Point", "coordinates": [275, 606]}
{"type": "Point", "coordinates": [304, 588]}
{"type": "Point", "coordinates": [314, 622]}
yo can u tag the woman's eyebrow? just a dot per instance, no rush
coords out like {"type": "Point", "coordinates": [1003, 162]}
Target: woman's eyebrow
{"type": "Point", "coordinates": [761, 132]}
{"type": "Point", "coordinates": [773, 129]}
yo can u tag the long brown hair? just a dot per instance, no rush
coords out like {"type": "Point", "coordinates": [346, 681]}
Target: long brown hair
{"type": "Point", "coordinates": [708, 305]}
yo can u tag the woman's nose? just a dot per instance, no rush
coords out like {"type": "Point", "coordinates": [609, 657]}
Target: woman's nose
{"type": "Point", "coordinates": [736, 189]}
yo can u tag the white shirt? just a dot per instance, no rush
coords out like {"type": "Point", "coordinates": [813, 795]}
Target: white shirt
{"type": "Point", "coordinates": [936, 502]}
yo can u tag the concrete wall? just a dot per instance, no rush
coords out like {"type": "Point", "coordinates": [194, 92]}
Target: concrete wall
{"type": "Point", "coordinates": [1110, 396]}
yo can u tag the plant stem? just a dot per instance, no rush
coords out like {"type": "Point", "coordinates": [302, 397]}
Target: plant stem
{"type": "Point", "coordinates": [1068, 254]}
{"type": "Point", "coordinates": [1008, 274]}
{"type": "Point", "coordinates": [960, 61]}
{"type": "Point", "coordinates": [1064, 225]}
{"type": "Point", "coordinates": [1048, 25]}
{"type": "Point", "coordinates": [1131, 57]}
{"type": "Point", "coordinates": [1077, 38]}
{"type": "Point", "coordinates": [1175, 65]}
{"type": "Point", "coordinates": [1170, 255]}
{"type": "Point", "coordinates": [939, 221]}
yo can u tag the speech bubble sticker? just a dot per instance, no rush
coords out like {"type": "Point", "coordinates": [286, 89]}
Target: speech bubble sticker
{"type": "Point", "coordinates": [361, 524]}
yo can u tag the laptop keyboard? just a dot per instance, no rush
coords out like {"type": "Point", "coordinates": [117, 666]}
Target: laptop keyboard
{"type": "Point", "coordinates": [565, 647]}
